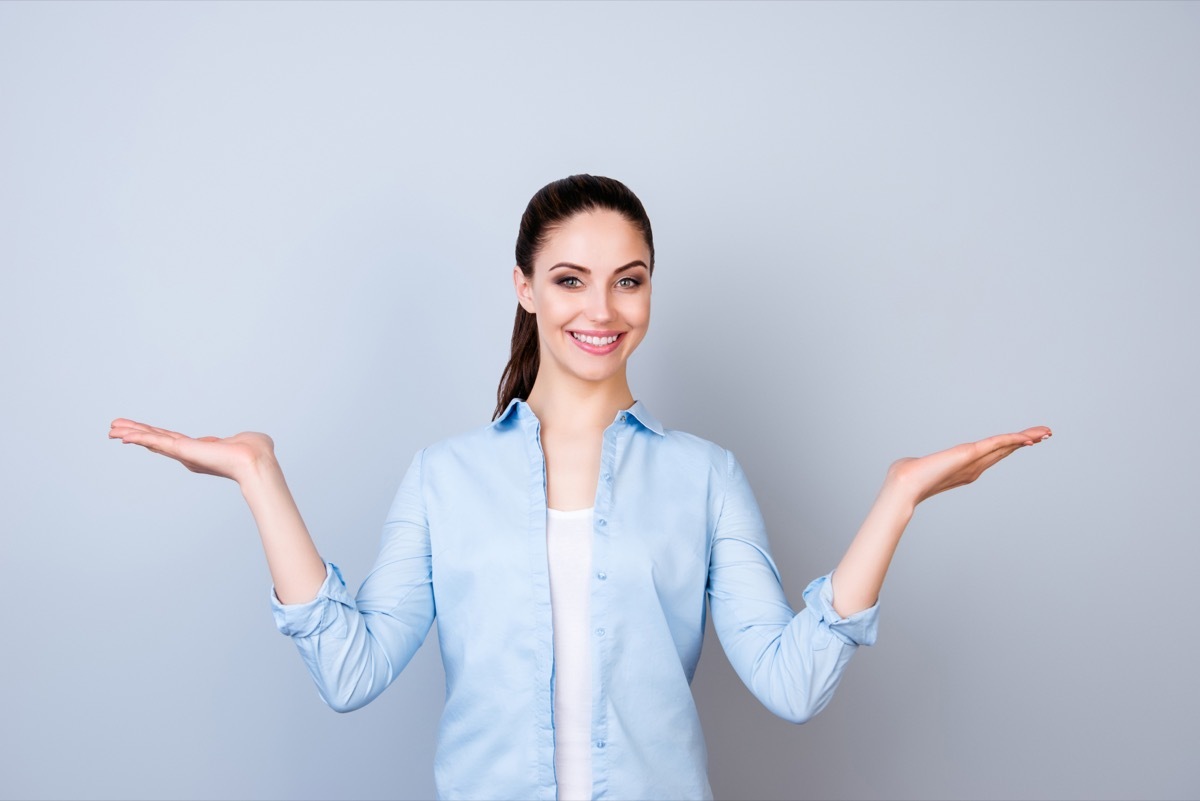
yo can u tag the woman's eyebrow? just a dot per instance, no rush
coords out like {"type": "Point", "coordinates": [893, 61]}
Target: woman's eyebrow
{"type": "Point", "coordinates": [581, 268]}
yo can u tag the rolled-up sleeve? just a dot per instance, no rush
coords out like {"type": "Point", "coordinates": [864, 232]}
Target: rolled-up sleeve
{"type": "Point", "coordinates": [861, 628]}
{"type": "Point", "coordinates": [792, 662]}
{"type": "Point", "coordinates": [355, 647]}
{"type": "Point", "coordinates": [317, 615]}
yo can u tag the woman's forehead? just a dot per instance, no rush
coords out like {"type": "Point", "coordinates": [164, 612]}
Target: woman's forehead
{"type": "Point", "coordinates": [600, 240]}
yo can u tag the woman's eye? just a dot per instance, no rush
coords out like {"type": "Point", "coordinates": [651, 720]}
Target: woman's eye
{"type": "Point", "coordinates": [567, 281]}
{"type": "Point", "coordinates": [629, 282]}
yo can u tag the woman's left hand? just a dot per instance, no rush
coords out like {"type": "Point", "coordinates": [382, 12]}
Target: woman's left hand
{"type": "Point", "coordinates": [859, 577]}
{"type": "Point", "coordinates": [918, 479]}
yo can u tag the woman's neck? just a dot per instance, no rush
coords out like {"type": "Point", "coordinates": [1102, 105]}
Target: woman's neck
{"type": "Point", "coordinates": [574, 405]}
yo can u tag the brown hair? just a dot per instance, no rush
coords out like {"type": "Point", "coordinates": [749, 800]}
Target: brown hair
{"type": "Point", "coordinates": [553, 205]}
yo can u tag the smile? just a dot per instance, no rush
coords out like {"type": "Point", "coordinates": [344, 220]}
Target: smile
{"type": "Point", "coordinates": [595, 340]}
{"type": "Point", "coordinates": [596, 344]}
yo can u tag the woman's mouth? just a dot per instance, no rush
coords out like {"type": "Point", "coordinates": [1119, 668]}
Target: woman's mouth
{"type": "Point", "coordinates": [597, 343]}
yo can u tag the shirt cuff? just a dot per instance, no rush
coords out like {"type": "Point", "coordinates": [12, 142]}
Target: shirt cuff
{"type": "Point", "coordinates": [312, 617]}
{"type": "Point", "coordinates": [858, 629]}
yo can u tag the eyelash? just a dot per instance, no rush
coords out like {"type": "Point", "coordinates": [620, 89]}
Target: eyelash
{"type": "Point", "coordinates": [563, 282]}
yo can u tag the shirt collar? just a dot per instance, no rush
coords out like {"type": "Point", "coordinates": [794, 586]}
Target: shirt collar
{"type": "Point", "coordinates": [640, 413]}
{"type": "Point", "coordinates": [518, 408]}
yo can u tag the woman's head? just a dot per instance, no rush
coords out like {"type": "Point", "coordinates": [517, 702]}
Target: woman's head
{"type": "Point", "coordinates": [585, 254]}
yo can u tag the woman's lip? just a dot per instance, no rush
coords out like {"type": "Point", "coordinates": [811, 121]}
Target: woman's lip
{"type": "Point", "coordinates": [598, 350]}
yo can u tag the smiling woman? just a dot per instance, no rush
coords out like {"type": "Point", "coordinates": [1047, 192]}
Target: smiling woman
{"type": "Point", "coordinates": [567, 549]}
{"type": "Point", "coordinates": [585, 252]}
{"type": "Point", "coordinates": [583, 312]}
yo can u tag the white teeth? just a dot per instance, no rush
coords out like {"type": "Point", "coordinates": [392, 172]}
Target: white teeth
{"type": "Point", "coordinates": [594, 340]}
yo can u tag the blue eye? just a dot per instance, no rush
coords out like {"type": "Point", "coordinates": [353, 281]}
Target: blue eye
{"type": "Point", "coordinates": [632, 282]}
{"type": "Point", "coordinates": [563, 281]}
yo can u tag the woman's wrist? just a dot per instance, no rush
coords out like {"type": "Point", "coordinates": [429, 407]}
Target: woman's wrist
{"type": "Point", "coordinates": [901, 487]}
{"type": "Point", "coordinates": [899, 493]}
{"type": "Point", "coordinates": [260, 471]}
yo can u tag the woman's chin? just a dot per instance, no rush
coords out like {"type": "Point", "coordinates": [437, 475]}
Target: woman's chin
{"type": "Point", "coordinates": [597, 373]}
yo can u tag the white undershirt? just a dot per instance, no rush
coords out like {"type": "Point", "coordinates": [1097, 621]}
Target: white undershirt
{"type": "Point", "coordinates": [569, 552]}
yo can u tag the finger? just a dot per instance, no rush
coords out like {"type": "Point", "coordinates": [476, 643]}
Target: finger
{"type": "Point", "coordinates": [1037, 434]}
{"type": "Point", "coordinates": [166, 431]}
{"type": "Point", "coordinates": [1029, 436]}
{"type": "Point", "coordinates": [1001, 441]}
{"type": "Point", "coordinates": [159, 443]}
{"type": "Point", "coordinates": [123, 422]}
{"type": "Point", "coordinates": [137, 436]}
{"type": "Point", "coordinates": [117, 432]}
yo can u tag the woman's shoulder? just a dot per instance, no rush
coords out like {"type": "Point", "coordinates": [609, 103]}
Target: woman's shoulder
{"type": "Point", "coordinates": [690, 446]}
{"type": "Point", "coordinates": [472, 440]}
{"type": "Point", "coordinates": [682, 447]}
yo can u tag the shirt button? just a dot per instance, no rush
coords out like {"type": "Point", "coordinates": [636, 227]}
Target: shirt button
{"type": "Point", "coordinates": [599, 743]}
{"type": "Point", "coordinates": [599, 632]}
{"type": "Point", "coordinates": [601, 575]}
{"type": "Point", "coordinates": [608, 476]}
{"type": "Point", "coordinates": [602, 522]}
{"type": "Point", "coordinates": [622, 420]}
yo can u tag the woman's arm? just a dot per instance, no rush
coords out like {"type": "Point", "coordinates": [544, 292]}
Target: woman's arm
{"type": "Point", "coordinates": [297, 569]}
{"type": "Point", "coordinates": [353, 647]}
{"type": "Point", "coordinates": [859, 576]}
{"type": "Point", "coordinates": [791, 662]}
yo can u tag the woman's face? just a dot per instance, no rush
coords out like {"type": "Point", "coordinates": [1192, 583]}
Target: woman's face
{"type": "Point", "coordinates": [590, 291]}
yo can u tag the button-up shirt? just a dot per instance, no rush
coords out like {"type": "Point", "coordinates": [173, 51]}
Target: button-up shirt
{"type": "Point", "coordinates": [464, 544]}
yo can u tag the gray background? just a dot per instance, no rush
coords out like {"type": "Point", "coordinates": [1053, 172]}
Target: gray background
{"type": "Point", "coordinates": [881, 229]}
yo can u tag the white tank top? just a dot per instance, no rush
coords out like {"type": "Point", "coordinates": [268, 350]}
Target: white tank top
{"type": "Point", "coordinates": [569, 552]}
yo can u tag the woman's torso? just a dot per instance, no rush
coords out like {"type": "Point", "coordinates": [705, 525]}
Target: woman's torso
{"type": "Point", "coordinates": [656, 497]}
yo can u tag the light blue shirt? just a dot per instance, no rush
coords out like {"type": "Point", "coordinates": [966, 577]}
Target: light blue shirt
{"type": "Point", "coordinates": [675, 522]}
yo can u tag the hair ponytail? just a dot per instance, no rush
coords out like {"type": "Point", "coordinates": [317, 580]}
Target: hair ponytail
{"type": "Point", "coordinates": [554, 204]}
{"type": "Point", "coordinates": [522, 366]}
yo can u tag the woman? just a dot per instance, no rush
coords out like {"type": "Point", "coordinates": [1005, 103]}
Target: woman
{"type": "Point", "coordinates": [567, 548]}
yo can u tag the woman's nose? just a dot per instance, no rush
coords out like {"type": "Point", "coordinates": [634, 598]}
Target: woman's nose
{"type": "Point", "coordinates": [600, 307]}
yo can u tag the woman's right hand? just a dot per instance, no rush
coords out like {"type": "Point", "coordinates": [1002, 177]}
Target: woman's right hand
{"type": "Point", "coordinates": [249, 459]}
{"type": "Point", "coordinates": [237, 457]}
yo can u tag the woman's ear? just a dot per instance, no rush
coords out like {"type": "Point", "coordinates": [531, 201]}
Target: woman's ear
{"type": "Point", "coordinates": [524, 290]}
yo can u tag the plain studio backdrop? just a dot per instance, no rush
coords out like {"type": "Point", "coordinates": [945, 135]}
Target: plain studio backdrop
{"type": "Point", "coordinates": [881, 230]}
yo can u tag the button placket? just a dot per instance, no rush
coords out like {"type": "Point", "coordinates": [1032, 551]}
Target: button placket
{"type": "Point", "coordinates": [602, 538]}
{"type": "Point", "coordinates": [544, 674]}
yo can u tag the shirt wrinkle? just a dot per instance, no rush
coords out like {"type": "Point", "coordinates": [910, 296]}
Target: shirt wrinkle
{"type": "Point", "coordinates": [675, 538]}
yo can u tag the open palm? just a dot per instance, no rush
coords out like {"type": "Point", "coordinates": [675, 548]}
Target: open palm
{"type": "Point", "coordinates": [926, 476]}
{"type": "Point", "coordinates": [229, 457]}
